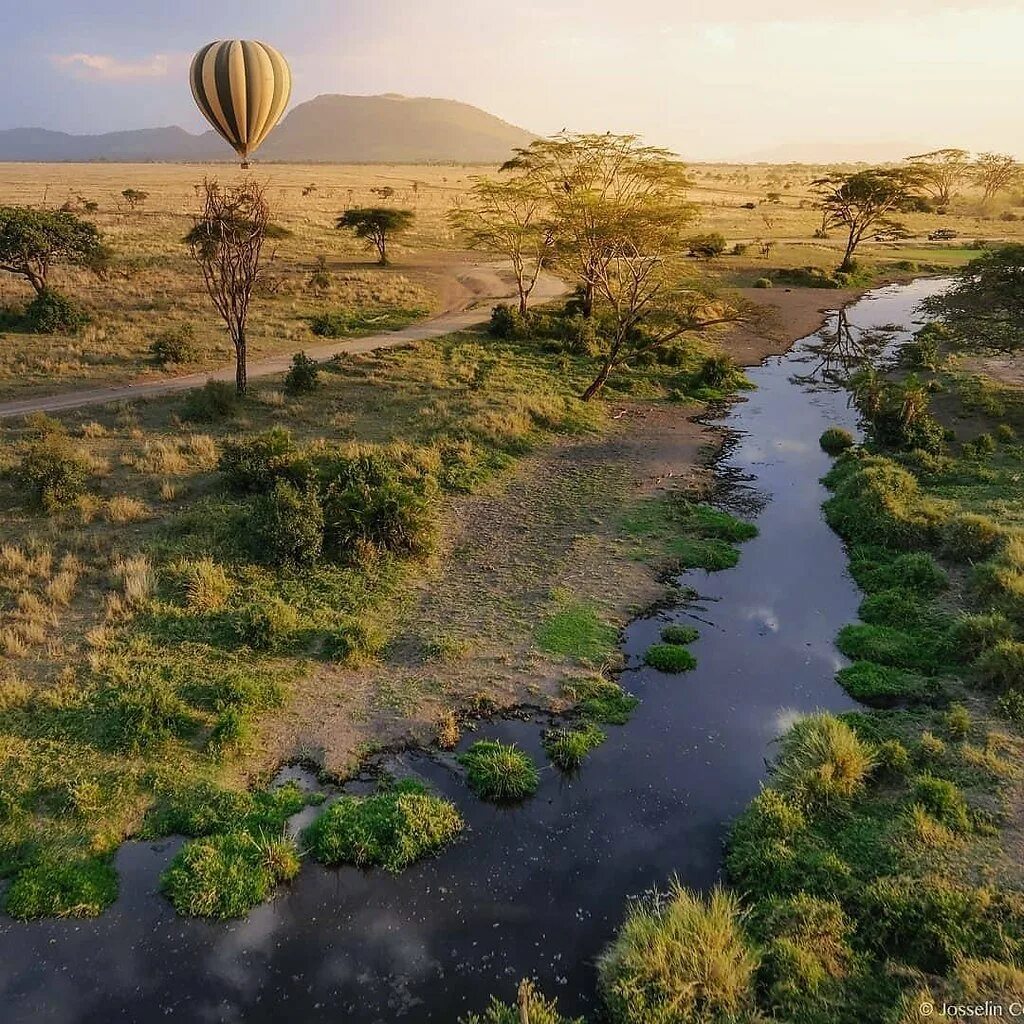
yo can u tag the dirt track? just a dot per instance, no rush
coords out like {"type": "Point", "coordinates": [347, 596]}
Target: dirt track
{"type": "Point", "coordinates": [467, 293]}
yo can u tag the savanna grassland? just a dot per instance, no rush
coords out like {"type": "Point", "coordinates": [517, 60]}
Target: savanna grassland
{"type": "Point", "coordinates": [371, 552]}
{"type": "Point", "coordinates": [154, 287]}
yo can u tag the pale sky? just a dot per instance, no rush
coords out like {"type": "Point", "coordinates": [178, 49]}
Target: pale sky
{"type": "Point", "coordinates": [708, 80]}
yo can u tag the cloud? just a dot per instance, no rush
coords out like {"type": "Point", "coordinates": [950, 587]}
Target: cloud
{"type": "Point", "coordinates": [105, 67]}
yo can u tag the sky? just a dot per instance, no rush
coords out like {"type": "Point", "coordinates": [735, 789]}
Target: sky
{"type": "Point", "coordinates": [707, 80]}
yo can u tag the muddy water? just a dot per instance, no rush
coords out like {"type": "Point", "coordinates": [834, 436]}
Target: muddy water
{"type": "Point", "coordinates": [539, 889]}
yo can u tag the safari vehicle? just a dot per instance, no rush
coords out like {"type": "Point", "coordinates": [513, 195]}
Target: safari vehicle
{"type": "Point", "coordinates": [942, 235]}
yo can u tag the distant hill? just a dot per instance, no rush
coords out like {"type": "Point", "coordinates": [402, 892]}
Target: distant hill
{"type": "Point", "coordinates": [328, 129]}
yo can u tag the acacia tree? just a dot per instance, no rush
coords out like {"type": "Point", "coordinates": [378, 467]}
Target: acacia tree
{"type": "Point", "coordinates": [941, 172]}
{"type": "Point", "coordinates": [134, 197]}
{"type": "Point", "coordinates": [985, 307]}
{"type": "Point", "coordinates": [510, 217]}
{"type": "Point", "coordinates": [995, 172]}
{"type": "Point", "coordinates": [595, 187]}
{"type": "Point", "coordinates": [863, 200]}
{"type": "Point", "coordinates": [376, 225]}
{"type": "Point", "coordinates": [226, 241]}
{"type": "Point", "coordinates": [33, 241]}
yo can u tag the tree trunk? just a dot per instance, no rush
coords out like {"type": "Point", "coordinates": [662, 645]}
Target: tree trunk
{"type": "Point", "coordinates": [587, 300]}
{"type": "Point", "coordinates": [847, 265]}
{"type": "Point", "coordinates": [38, 281]}
{"type": "Point", "coordinates": [382, 249]}
{"type": "Point", "coordinates": [241, 378]}
{"type": "Point", "coordinates": [599, 381]}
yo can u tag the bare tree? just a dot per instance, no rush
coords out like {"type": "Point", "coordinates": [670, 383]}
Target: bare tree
{"type": "Point", "coordinates": [996, 172]}
{"type": "Point", "coordinates": [510, 217]}
{"type": "Point", "coordinates": [226, 241]}
{"type": "Point", "coordinates": [941, 172]}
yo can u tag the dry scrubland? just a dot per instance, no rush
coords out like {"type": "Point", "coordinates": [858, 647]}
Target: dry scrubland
{"type": "Point", "coordinates": [154, 286]}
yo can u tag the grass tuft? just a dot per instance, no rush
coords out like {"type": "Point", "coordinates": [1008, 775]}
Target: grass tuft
{"type": "Point", "coordinates": [499, 772]}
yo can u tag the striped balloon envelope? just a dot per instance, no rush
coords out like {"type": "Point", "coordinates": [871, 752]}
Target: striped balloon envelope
{"type": "Point", "coordinates": [242, 86]}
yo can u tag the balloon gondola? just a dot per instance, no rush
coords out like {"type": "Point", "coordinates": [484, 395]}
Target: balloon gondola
{"type": "Point", "coordinates": [242, 87]}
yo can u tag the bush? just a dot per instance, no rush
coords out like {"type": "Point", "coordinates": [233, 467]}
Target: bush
{"type": "Point", "coordinates": [892, 757]}
{"type": "Point", "coordinates": [943, 800]}
{"type": "Point", "coordinates": [822, 760]}
{"type": "Point", "coordinates": [683, 960]}
{"type": "Point", "coordinates": [53, 471]}
{"type": "Point", "coordinates": [389, 517]}
{"type": "Point", "coordinates": [970, 537]}
{"type": "Point", "coordinates": [706, 246]}
{"type": "Point", "coordinates": [52, 313]}
{"type": "Point", "coordinates": [304, 375]}
{"type": "Point", "coordinates": [679, 634]}
{"type": "Point", "coordinates": [1002, 667]}
{"type": "Point", "coordinates": [175, 345]}
{"type": "Point", "coordinates": [287, 525]}
{"type": "Point", "coordinates": [538, 1010]}
{"type": "Point", "coordinates": [391, 829]}
{"type": "Point", "coordinates": [836, 440]}
{"type": "Point", "coordinates": [670, 658]}
{"type": "Point", "coordinates": [764, 282]}
{"type": "Point", "coordinates": [882, 685]}
{"type": "Point", "coordinates": [957, 720]}
{"type": "Point", "coordinates": [499, 772]}
{"type": "Point", "coordinates": [254, 464]}
{"type": "Point", "coordinates": [973, 634]}
{"type": "Point", "coordinates": [226, 875]}
{"type": "Point", "coordinates": [568, 748]}
{"type": "Point", "coordinates": [215, 400]}
{"type": "Point", "coordinates": [65, 888]}
{"type": "Point", "coordinates": [506, 323]}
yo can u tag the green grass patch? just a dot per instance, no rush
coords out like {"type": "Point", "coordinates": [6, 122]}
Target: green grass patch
{"type": "Point", "coordinates": [568, 748]}
{"type": "Point", "coordinates": [884, 686]}
{"type": "Point", "coordinates": [226, 875]}
{"type": "Point", "coordinates": [576, 630]}
{"type": "Point", "coordinates": [71, 888]}
{"type": "Point", "coordinates": [499, 772]}
{"type": "Point", "coordinates": [670, 658]}
{"type": "Point", "coordinates": [345, 323]}
{"type": "Point", "coordinates": [391, 829]}
{"type": "Point", "coordinates": [836, 440]}
{"type": "Point", "coordinates": [601, 700]}
{"type": "Point", "coordinates": [679, 634]}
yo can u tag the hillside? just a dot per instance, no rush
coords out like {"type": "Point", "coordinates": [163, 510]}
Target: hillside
{"type": "Point", "coordinates": [329, 129]}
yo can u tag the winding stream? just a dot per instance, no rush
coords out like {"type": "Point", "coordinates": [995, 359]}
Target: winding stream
{"type": "Point", "coordinates": [539, 889]}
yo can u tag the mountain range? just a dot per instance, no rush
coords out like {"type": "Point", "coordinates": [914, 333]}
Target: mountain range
{"type": "Point", "coordinates": [327, 129]}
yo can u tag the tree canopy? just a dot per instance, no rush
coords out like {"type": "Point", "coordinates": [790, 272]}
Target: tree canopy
{"type": "Point", "coordinates": [941, 172]}
{"type": "Point", "coordinates": [377, 225]}
{"type": "Point", "coordinates": [862, 201]}
{"type": "Point", "coordinates": [985, 307]}
{"type": "Point", "coordinates": [32, 241]}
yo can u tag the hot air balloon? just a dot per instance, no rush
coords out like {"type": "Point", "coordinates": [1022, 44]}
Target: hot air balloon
{"type": "Point", "coordinates": [242, 87]}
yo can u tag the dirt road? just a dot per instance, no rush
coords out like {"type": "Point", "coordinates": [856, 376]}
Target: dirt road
{"type": "Point", "coordinates": [469, 293]}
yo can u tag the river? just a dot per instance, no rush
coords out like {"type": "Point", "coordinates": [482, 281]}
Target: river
{"type": "Point", "coordinates": [535, 890]}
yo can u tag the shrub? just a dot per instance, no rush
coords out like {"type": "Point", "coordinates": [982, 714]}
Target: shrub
{"type": "Point", "coordinates": [822, 760]}
{"type": "Point", "coordinates": [536, 1008]}
{"type": "Point", "coordinates": [304, 375]}
{"type": "Point", "coordinates": [930, 747]}
{"type": "Point", "coordinates": [836, 440]}
{"type": "Point", "coordinates": [506, 323]}
{"type": "Point", "coordinates": [882, 685]}
{"type": "Point", "coordinates": [601, 700]}
{"type": "Point", "coordinates": [1002, 666]}
{"type": "Point", "coordinates": [254, 464]}
{"type": "Point", "coordinates": [683, 960]}
{"type": "Point", "coordinates": [970, 537]}
{"type": "Point", "coordinates": [175, 345]}
{"type": "Point", "coordinates": [706, 246]}
{"type": "Point", "coordinates": [53, 471]}
{"type": "Point", "coordinates": [201, 583]}
{"type": "Point", "coordinates": [65, 888]}
{"type": "Point", "coordinates": [52, 313]}
{"type": "Point", "coordinates": [388, 517]}
{"type": "Point", "coordinates": [215, 400]}
{"type": "Point", "coordinates": [892, 757]}
{"type": "Point", "coordinates": [391, 829]}
{"type": "Point", "coordinates": [957, 720]}
{"type": "Point", "coordinates": [943, 800]}
{"type": "Point", "coordinates": [679, 634]}
{"type": "Point", "coordinates": [764, 282]}
{"type": "Point", "coordinates": [568, 748]}
{"type": "Point", "coordinates": [670, 658]}
{"type": "Point", "coordinates": [267, 626]}
{"type": "Point", "coordinates": [499, 772]}
{"type": "Point", "coordinates": [226, 875]}
{"type": "Point", "coordinates": [288, 525]}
